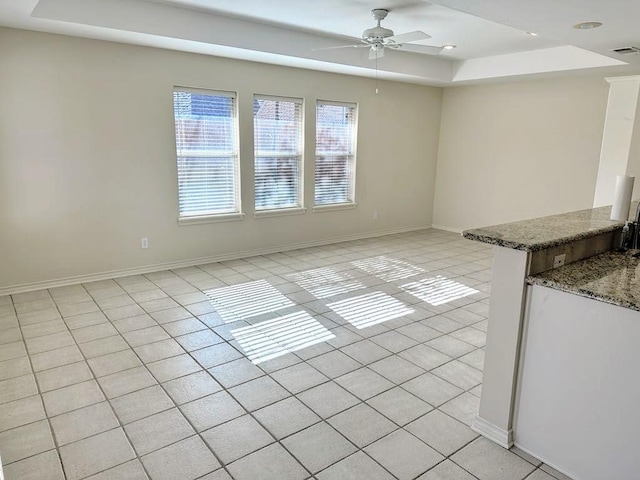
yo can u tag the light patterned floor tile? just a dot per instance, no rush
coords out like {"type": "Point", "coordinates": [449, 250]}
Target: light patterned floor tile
{"type": "Point", "coordinates": [362, 425]}
{"type": "Point", "coordinates": [45, 466]}
{"type": "Point", "coordinates": [83, 423]}
{"type": "Point", "coordinates": [485, 459]}
{"type": "Point", "coordinates": [441, 432]}
{"type": "Point", "coordinates": [403, 455]}
{"type": "Point", "coordinates": [171, 366]}
{"type": "Point", "coordinates": [157, 431]}
{"type": "Point", "coordinates": [95, 454]}
{"type": "Point", "coordinates": [358, 466]}
{"type": "Point", "coordinates": [270, 463]}
{"type": "Point", "coordinates": [25, 441]}
{"type": "Point", "coordinates": [286, 417]}
{"type": "Point", "coordinates": [318, 446]}
{"type": "Point", "coordinates": [237, 438]}
{"type": "Point", "coordinates": [21, 412]}
{"type": "Point", "coordinates": [186, 460]}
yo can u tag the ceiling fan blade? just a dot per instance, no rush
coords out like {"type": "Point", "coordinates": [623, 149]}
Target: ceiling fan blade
{"type": "Point", "coordinates": [408, 37]}
{"type": "Point", "coordinates": [424, 49]}
{"type": "Point", "coordinates": [376, 53]}
{"type": "Point", "coordinates": [341, 46]}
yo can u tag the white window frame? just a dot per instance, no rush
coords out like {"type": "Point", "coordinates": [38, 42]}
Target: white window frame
{"type": "Point", "coordinates": [286, 210]}
{"type": "Point", "coordinates": [352, 159]}
{"type": "Point", "coordinates": [206, 217]}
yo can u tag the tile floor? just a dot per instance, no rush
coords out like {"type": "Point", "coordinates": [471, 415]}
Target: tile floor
{"type": "Point", "coordinates": [359, 360]}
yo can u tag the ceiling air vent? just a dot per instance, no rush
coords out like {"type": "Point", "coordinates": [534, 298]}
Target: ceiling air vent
{"type": "Point", "coordinates": [627, 50]}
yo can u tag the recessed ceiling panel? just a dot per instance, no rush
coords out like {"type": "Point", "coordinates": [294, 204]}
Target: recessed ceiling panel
{"type": "Point", "coordinates": [473, 36]}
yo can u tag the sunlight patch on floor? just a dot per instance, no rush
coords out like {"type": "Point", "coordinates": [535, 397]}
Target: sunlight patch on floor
{"type": "Point", "coordinates": [274, 338]}
{"type": "Point", "coordinates": [246, 300]}
{"type": "Point", "coordinates": [438, 290]}
{"type": "Point", "coordinates": [371, 309]}
{"type": "Point", "coordinates": [326, 282]}
{"type": "Point", "coordinates": [388, 269]}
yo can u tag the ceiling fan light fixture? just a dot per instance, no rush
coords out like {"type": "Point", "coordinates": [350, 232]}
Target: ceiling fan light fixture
{"type": "Point", "coordinates": [587, 25]}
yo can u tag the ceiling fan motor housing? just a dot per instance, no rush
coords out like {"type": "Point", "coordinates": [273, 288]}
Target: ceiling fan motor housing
{"type": "Point", "coordinates": [377, 33]}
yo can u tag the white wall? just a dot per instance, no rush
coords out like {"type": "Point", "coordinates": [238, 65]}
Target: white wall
{"type": "Point", "coordinates": [514, 151]}
{"type": "Point", "coordinates": [87, 156]}
{"type": "Point", "coordinates": [620, 127]}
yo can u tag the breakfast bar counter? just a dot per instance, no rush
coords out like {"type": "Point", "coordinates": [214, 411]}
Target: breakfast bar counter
{"type": "Point", "coordinates": [545, 232]}
{"type": "Point", "coordinates": [561, 353]}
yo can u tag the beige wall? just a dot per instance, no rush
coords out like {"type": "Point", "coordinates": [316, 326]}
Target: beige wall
{"type": "Point", "coordinates": [87, 156]}
{"type": "Point", "coordinates": [520, 150]}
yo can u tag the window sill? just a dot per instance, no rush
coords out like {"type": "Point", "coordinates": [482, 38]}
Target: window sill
{"type": "Point", "coordinates": [280, 213]}
{"type": "Point", "coordinates": [334, 207]}
{"type": "Point", "coordinates": [226, 217]}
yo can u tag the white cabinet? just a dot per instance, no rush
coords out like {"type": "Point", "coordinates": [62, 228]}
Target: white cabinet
{"type": "Point", "coordinates": [578, 396]}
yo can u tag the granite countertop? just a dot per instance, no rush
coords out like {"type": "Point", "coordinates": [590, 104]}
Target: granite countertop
{"type": "Point", "coordinates": [545, 232]}
{"type": "Point", "coordinates": [609, 277]}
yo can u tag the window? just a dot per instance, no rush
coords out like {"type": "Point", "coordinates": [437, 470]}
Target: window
{"type": "Point", "coordinates": [278, 152]}
{"type": "Point", "coordinates": [335, 153]}
{"type": "Point", "coordinates": [207, 150]}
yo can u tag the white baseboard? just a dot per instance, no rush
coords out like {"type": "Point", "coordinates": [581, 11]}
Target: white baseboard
{"type": "Point", "coordinates": [502, 437]}
{"type": "Point", "coordinates": [93, 277]}
{"type": "Point", "coordinates": [446, 229]}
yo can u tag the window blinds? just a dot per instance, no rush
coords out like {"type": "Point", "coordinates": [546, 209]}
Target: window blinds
{"type": "Point", "coordinates": [335, 153]}
{"type": "Point", "coordinates": [278, 149]}
{"type": "Point", "coordinates": [207, 151]}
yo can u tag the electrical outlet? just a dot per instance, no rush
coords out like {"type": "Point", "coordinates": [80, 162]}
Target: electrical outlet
{"type": "Point", "coordinates": [375, 214]}
{"type": "Point", "coordinates": [558, 260]}
{"type": "Point", "coordinates": [144, 242]}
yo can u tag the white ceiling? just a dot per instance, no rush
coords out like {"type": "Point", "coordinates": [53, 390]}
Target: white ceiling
{"type": "Point", "coordinates": [491, 35]}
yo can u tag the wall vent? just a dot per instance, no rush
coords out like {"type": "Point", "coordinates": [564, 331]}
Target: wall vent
{"type": "Point", "coordinates": [626, 50]}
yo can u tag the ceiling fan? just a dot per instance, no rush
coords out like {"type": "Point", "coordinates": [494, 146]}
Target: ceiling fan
{"type": "Point", "coordinates": [378, 38]}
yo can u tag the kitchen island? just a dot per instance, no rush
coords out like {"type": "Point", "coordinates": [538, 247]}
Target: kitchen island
{"type": "Point", "coordinates": [561, 350]}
